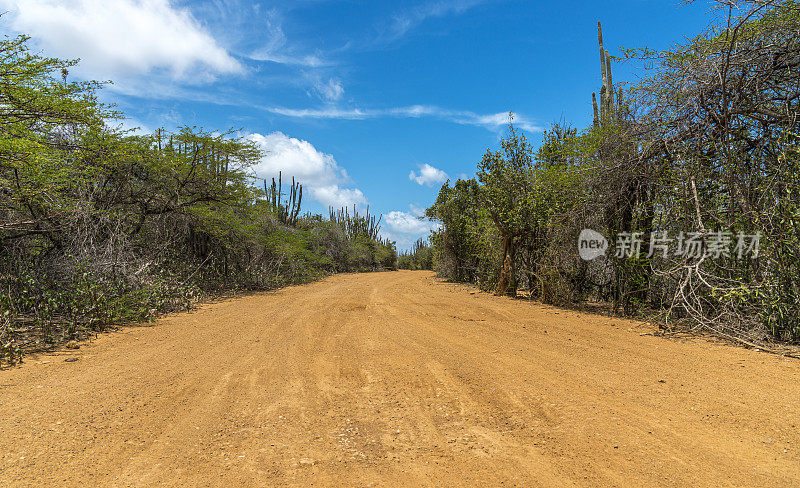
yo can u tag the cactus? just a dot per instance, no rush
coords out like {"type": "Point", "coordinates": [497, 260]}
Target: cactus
{"type": "Point", "coordinates": [610, 88]}
{"type": "Point", "coordinates": [603, 65]}
{"type": "Point", "coordinates": [607, 108]}
{"type": "Point", "coordinates": [209, 152]}
{"type": "Point", "coordinates": [356, 225]}
{"type": "Point", "coordinates": [288, 211]}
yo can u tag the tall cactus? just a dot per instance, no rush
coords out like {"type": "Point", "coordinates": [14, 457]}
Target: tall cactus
{"type": "Point", "coordinates": [287, 212]}
{"type": "Point", "coordinates": [610, 89]}
{"type": "Point", "coordinates": [356, 225]}
{"type": "Point", "coordinates": [607, 108]}
{"type": "Point", "coordinates": [604, 89]}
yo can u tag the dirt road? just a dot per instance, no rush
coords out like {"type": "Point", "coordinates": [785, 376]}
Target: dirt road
{"type": "Point", "coordinates": [397, 379]}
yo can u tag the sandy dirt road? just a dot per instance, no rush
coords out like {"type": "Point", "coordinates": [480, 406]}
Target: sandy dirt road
{"type": "Point", "coordinates": [397, 379]}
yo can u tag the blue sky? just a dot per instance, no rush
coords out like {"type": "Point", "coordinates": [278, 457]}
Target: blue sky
{"type": "Point", "coordinates": [366, 102]}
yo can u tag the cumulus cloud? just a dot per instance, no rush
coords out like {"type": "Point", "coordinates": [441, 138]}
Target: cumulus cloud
{"type": "Point", "coordinates": [295, 157]}
{"type": "Point", "coordinates": [416, 210]}
{"type": "Point", "coordinates": [405, 223]}
{"type": "Point", "coordinates": [405, 228]}
{"type": "Point", "coordinates": [120, 38]}
{"type": "Point", "coordinates": [336, 197]}
{"type": "Point", "coordinates": [428, 175]}
{"type": "Point", "coordinates": [319, 172]}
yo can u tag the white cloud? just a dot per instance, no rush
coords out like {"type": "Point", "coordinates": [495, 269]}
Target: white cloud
{"type": "Point", "coordinates": [276, 49]}
{"type": "Point", "coordinates": [405, 228]}
{"type": "Point", "coordinates": [317, 171]}
{"type": "Point", "coordinates": [329, 91]}
{"type": "Point", "coordinates": [307, 60]}
{"type": "Point", "coordinates": [324, 113]}
{"type": "Point", "coordinates": [416, 210]}
{"type": "Point", "coordinates": [405, 223]}
{"type": "Point", "coordinates": [295, 157]}
{"type": "Point", "coordinates": [121, 38]}
{"type": "Point", "coordinates": [336, 197]}
{"type": "Point", "coordinates": [494, 122]}
{"type": "Point", "coordinates": [428, 175]}
{"type": "Point", "coordinates": [402, 22]}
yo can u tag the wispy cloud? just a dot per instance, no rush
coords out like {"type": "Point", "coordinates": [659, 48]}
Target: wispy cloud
{"type": "Point", "coordinates": [305, 60]}
{"type": "Point", "coordinates": [328, 91]}
{"type": "Point", "coordinates": [323, 113]}
{"type": "Point", "coordinates": [493, 121]}
{"type": "Point", "coordinates": [277, 49]}
{"type": "Point", "coordinates": [404, 21]}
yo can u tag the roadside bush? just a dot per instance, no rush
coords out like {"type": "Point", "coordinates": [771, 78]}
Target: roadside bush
{"type": "Point", "coordinates": [690, 168]}
{"type": "Point", "coordinates": [99, 227]}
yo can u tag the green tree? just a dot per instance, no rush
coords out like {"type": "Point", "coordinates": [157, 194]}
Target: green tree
{"type": "Point", "coordinates": [504, 177]}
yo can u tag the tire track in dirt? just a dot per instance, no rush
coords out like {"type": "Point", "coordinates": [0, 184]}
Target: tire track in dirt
{"type": "Point", "coordinates": [398, 379]}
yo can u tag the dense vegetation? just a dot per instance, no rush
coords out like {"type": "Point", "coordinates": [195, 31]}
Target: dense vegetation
{"type": "Point", "coordinates": [99, 226]}
{"type": "Point", "coordinates": [420, 256]}
{"type": "Point", "coordinates": [696, 166]}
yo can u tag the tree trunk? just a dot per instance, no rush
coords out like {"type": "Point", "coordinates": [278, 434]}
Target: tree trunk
{"type": "Point", "coordinates": [507, 283]}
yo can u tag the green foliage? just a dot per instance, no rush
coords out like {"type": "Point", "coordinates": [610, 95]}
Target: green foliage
{"type": "Point", "coordinates": [99, 227]}
{"type": "Point", "coordinates": [356, 225]}
{"type": "Point", "coordinates": [465, 247]}
{"type": "Point", "coordinates": [503, 176]}
{"type": "Point", "coordinates": [778, 299]}
{"type": "Point", "coordinates": [522, 201]}
{"type": "Point", "coordinates": [706, 143]}
{"type": "Point", "coordinates": [385, 254]}
{"type": "Point", "coordinates": [419, 257]}
{"type": "Point", "coordinates": [286, 211]}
